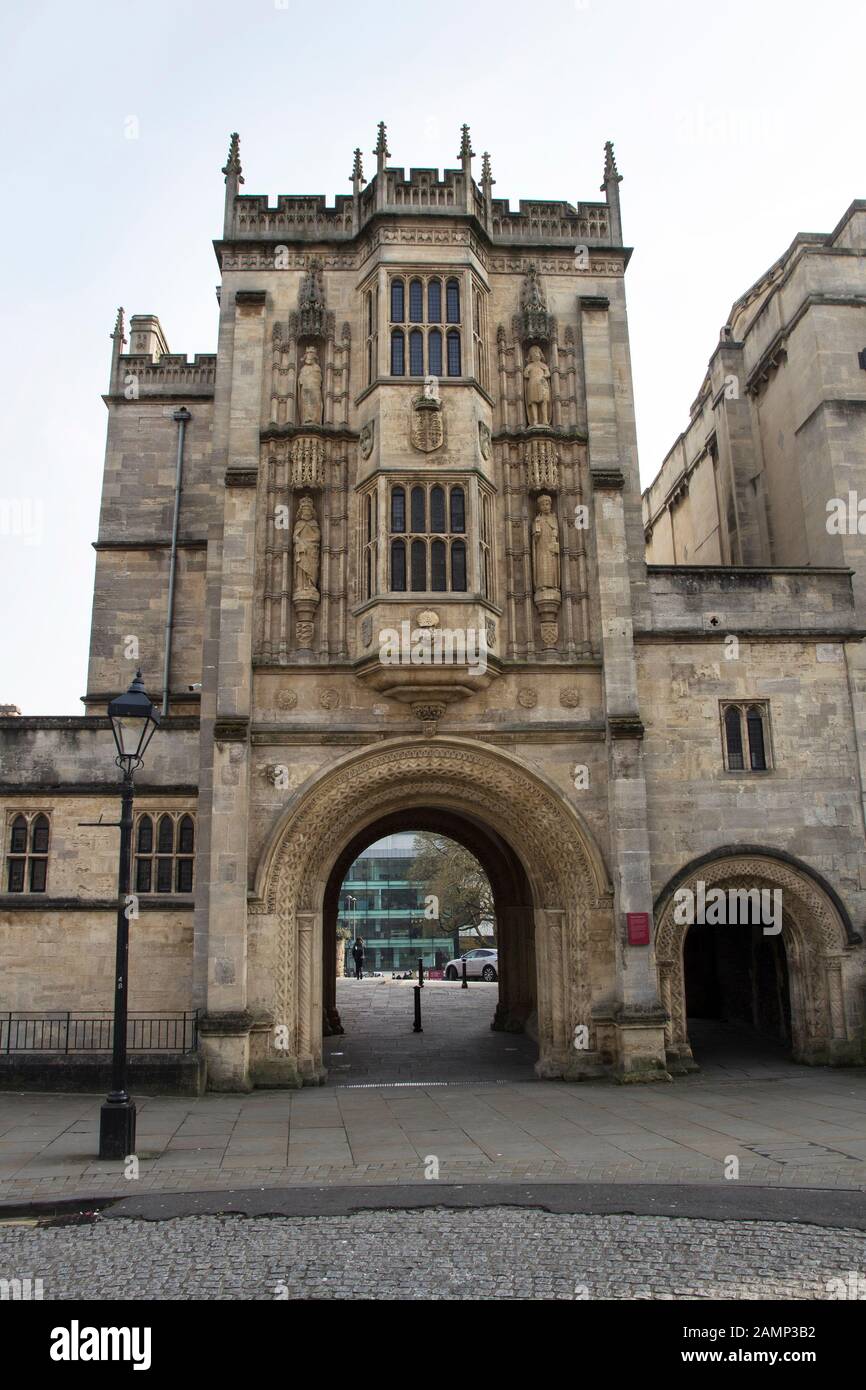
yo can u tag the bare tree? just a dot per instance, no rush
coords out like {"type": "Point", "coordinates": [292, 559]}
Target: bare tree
{"type": "Point", "coordinates": [456, 881]}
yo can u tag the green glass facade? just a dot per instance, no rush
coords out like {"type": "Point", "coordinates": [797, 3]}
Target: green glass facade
{"type": "Point", "coordinates": [382, 903]}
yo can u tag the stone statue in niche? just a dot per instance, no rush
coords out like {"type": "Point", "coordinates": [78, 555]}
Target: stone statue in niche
{"type": "Point", "coordinates": [546, 570]}
{"type": "Point", "coordinates": [310, 389]}
{"type": "Point", "coordinates": [545, 545]}
{"type": "Point", "coordinates": [307, 544]}
{"type": "Point", "coordinates": [537, 377]}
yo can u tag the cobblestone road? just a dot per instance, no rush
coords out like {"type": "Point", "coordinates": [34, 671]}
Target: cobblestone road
{"type": "Point", "coordinates": [499, 1253]}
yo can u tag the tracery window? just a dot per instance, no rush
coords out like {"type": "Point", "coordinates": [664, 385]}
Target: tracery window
{"type": "Point", "coordinates": [427, 354]}
{"type": "Point", "coordinates": [164, 848]}
{"type": "Point", "coordinates": [430, 556]}
{"type": "Point", "coordinates": [27, 852]}
{"type": "Point", "coordinates": [746, 736]}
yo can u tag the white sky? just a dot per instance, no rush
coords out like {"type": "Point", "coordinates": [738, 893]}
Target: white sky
{"type": "Point", "coordinates": [736, 126]}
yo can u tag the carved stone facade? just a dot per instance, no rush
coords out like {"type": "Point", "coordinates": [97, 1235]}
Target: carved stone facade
{"type": "Point", "coordinates": [420, 418]}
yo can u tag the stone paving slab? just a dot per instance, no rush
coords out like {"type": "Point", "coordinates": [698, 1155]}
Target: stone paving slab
{"type": "Point", "coordinates": [786, 1125]}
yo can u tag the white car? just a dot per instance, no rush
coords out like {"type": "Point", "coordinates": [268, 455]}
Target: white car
{"type": "Point", "coordinates": [482, 964]}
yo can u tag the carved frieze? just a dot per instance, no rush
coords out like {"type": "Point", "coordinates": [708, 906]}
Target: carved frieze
{"type": "Point", "coordinates": [308, 461]}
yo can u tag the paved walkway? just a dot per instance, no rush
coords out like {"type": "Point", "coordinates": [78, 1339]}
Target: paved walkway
{"type": "Point", "coordinates": [803, 1127]}
{"type": "Point", "coordinates": [457, 1103]}
{"type": "Point", "coordinates": [457, 1042]}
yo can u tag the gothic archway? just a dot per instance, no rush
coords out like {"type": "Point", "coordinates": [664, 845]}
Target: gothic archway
{"type": "Point", "coordinates": [817, 939]}
{"type": "Point", "coordinates": [482, 786]}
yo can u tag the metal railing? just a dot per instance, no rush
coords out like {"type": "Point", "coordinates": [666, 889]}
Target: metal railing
{"type": "Point", "coordinates": [93, 1031]}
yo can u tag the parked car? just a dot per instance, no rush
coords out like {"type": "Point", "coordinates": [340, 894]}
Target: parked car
{"type": "Point", "coordinates": [482, 964]}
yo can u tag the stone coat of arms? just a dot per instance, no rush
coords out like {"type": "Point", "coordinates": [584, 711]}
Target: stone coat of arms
{"type": "Point", "coordinates": [427, 428]}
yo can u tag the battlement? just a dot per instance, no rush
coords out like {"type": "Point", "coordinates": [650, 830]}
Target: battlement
{"type": "Point", "coordinates": [137, 375]}
{"type": "Point", "coordinates": [454, 193]}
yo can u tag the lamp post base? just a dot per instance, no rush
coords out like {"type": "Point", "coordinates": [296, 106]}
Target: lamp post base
{"type": "Point", "coordinates": [117, 1129]}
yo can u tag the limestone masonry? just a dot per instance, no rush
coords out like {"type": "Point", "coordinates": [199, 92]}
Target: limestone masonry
{"type": "Point", "coordinates": [418, 427]}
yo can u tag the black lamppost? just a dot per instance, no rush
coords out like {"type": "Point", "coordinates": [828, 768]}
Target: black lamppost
{"type": "Point", "coordinates": [134, 721]}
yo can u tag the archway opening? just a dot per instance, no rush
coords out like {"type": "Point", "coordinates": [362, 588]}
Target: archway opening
{"type": "Point", "coordinates": [782, 989]}
{"type": "Point", "coordinates": [437, 887]}
{"type": "Point", "coordinates": [737, 990]}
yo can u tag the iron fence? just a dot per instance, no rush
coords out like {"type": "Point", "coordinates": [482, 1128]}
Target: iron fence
{"type": "Point", "coordinates": [93, 1031]}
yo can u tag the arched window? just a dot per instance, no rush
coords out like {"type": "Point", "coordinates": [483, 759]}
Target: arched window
{"type": "Point", "coordinates": [398, 366]}
{"type": "Point", "coordinates": [458, 566]}
{"type": "Point", "coordinates": [437, 510]}
{"type": "Point", "coordinates": [416, 352]}
{"type": "Point", "coordinates": [755, 728]}
{"type": "Point", "coordinates": [419, 566]}
{"type": "Point", "coordinates": [734, 738]}
{"type": "Point", "coordinates": [18, 836]}
{"type": "Point", "coordinates": [165, 836]}
{"type": "Point", "coordinates": [746, 737]}
{"type": "Point", "coordinates": [438, 576]}
{"type": "Point", "coordinates": [39, 835]}
{"type": "Point", "coordinates": [397, 301]}
{"type": "Point", "coordinates": [398, 567]}
{"type": "Point", "coordinates": [186, 835]}
{"type": "Point", "coordinates": [419, 510]}
{"type": "Point", "coordinates": [370, 543]}
{"type": "Point", "coordinates": [416, 301]}
{"type": "Point", "coordinates": [434, 352]}
{"type": "Point", "coordinates": [164, 856]}
{"type": "Point", "coordinates": [452, 301]}
{"type": "Point", "coordinates": [434, 302]}
{"type": "Point", "coordinates": [144, 841]}
{"type": "Point", "coordinates": [184, 862]}
{"type": "Point", "coordinates": [16, 872]}
{"type": "Point", "coordinates": [453, 354]}
{"type": "Point", "coordinates": [27, 854]}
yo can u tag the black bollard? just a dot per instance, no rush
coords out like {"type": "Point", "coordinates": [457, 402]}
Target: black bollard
{"type": "Point", "coordinates": [421, 971]}
{"type": "Point", "coordinates": [465, 984]}
{"type": "Point", "coordinates": [417, 1025]}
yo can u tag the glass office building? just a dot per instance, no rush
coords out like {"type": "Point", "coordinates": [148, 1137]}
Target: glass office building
{"type": "Point", "coordinates": [382, 903]}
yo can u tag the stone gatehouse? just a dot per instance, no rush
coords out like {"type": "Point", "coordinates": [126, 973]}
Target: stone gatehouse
{"type": "Point", "coordinates": [381, 561]}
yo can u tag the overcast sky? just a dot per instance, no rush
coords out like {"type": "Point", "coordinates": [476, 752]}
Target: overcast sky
{"type": "Point", "coordinates": [736, 126]}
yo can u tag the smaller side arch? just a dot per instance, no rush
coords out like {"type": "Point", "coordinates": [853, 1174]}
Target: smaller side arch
{"type": "Point", "coordinates": [817, 935]}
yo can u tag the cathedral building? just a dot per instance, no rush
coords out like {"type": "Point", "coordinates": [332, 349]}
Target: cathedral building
{"type": "Point", "coordinates": [381, 560]}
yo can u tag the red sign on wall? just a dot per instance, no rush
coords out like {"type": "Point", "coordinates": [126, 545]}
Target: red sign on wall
{"type": "Point", "coordinates": [638, 924]}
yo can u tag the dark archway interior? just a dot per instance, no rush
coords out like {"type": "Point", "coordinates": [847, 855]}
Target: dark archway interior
{"type": "Point", "coordinates": [513, 909]}
{"type": "Point", "coordinates": [737, 988]}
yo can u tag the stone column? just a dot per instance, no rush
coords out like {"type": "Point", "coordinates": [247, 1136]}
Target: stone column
{"type": "Point", "coordinates": [226, 1025]}
{"type": "Point", "coordinates": [639, 1017]}
{"type": "Point", "coordinates": [309, 996]}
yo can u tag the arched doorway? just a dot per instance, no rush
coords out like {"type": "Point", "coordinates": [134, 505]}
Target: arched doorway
{"type": "Point", "coordinates": [467, 1034]}
{"type": "Point", "coordinates": [737, 991]}
{"type": "Point", "coordinates": [549, 878]}
{"type": "Point", "coordinates": [791, 986]}
{"type": "Point", "coordinates": [512, 897]}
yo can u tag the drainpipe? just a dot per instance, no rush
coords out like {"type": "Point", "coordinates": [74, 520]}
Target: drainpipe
{"type": "Point", "coordinates": [181, 416]}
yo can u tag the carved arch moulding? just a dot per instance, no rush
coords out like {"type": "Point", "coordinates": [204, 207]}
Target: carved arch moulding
{"type": "Point", "coordinates": [816, 943]}
{"type": "Point", "coordinates": [564, 867]}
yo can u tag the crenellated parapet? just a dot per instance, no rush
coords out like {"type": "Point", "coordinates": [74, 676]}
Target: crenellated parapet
{"type": "Point", "coordinates": [138, 375]}
{"type": "Point", "coordinates": [423, 191]}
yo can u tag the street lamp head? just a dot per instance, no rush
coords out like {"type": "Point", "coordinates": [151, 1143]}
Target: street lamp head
{"type": "Point", "coordinates": [134, 721]}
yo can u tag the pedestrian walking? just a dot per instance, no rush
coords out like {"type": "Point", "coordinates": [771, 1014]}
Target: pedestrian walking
{"type": "Point", "coordinates": [358, 957]}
